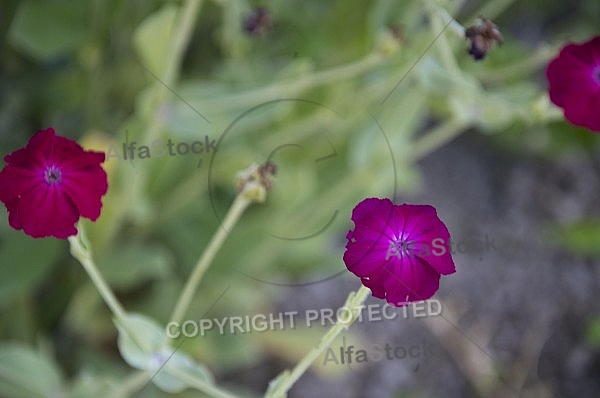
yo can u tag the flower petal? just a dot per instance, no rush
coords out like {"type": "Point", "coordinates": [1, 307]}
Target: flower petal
{"type": "Point", "coordinates": [379, 250]}
{"type": "Point", "coordinates": [48, 212]}
{"type": "Point", "coordinates": [35, 154]}
{"type": "Point", "coordinates": [584, 111]}
{"type": "Point", "coordinates": [365, 252]}
{"type": "Point", "coordinates": [84, 159]}
{"type": "Point", "coordinates": [52, 208]}
{"type": "Point", "coordinates": [404, 281]}
{"type": "Point", "coordinates": [574, 82]}
{"type": "Point", "coordinates": [85, 188]}
{"type": "Point", "coordinates": [16, 182]}
{"type": "Point", "coordinates": [429, 238]}
{"type": "Point", "coordinates": [568, 76]}
{"type": "Point", "coordinates": [374, 214]}
{"type": "Point", "coordinates": [588, 52]}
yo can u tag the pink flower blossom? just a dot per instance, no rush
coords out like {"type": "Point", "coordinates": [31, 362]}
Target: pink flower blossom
{"type": "Point", "coordinates": [398, 251]}
{"type": "Point", "coordinates": [47, 185]}
{"type": "Point", "coordinates": [574, 77]}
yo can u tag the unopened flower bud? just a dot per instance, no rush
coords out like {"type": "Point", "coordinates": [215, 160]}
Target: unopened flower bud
{"type": "Point", "coordinates": [256, 180]}
{"type": "Point", "coordinates": [389, 40]}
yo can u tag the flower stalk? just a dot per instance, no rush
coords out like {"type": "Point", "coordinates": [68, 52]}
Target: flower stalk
{"type": "Point", "coordinates": [207, 388]}
{"type": "Point", "coordinates": [252, 185]}
{"type": "Point", "coordinates": [233, 215]}
{"type": "Point", "coordinates": [293, 87]}
{"type": "Point", "coordinates": [154, 123]}
{"type": "Point", "coordinates": [80, 249]}
{"type": "Point", "coordinates": [280, 386]}
{"type": "Point", "coordinates": [436, 138]}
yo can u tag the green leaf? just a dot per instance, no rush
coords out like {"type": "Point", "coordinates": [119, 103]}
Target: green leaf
{"type": "Point", "coordinates": [128, 266]}
{"type": "Point", "coordinates": [24, 261]}
{"type": "Point", "coordinates": [149, 350]}
{"type": "Point", "coordinates": [91, 385]}
{"type": "Point", "coordinates": [580, 237]}
{"type": "Point", "coordinates": [25, 373]}
{"type": "Point", "coordinates": [149, 339]}
{"type": "Point", "coordinates": [593, 333]}
{"type": "Point", "coordinates": [47, 29]}
{"type": "Point", "coordinates": [152, 39]}
{"type": "Point", "coordinates": [85, 314]}
{"type": "Point", "coordinates": [180, 366]}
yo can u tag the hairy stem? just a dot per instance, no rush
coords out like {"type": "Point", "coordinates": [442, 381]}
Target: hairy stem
{"type": "Point", "coordinates": [237, 209]}
{"type": "Point", "coordinates": [286, 380]}
{"type": "Point", "coordinates": [81, 251]}
{"type": "Point", "coordinates": [437, 137]}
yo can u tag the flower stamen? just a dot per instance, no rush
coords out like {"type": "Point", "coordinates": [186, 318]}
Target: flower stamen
{"type": "Point", "coordinates": [53, 175]}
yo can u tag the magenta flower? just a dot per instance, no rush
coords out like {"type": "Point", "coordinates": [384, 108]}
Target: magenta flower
{"type": "Point", "coordinates": [398, 251]}
{"type": "Point", "coordinates": [574, 77]}
{"type": "Point", "coordinates": [47, 185]}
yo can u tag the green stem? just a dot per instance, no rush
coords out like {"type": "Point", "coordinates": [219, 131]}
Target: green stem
{"type": "Point", "coordinates": [297, 85]}
{"type": "Point", "coordinates": [187, 20]}
{"type": "Point", "coordinates": [237, 209]}
{"type": "Point", "coordinates": [438, 24]}
{"type": "Point", "coordinates": [206, 387]}
{"type": "Point", "coordinates": [491, 9]}
{"type": "Point", "coordinates": [81, 251]}
{"type": "Point", "coordinates": [517, 69]}
{"type": "Point", "coordinates": [83, 254]}
{"type": "Point", "coordinates": [181, 37]}
{"type": "Point", "coordinates": [287, 380]}
{"type": "Point", "coordinates": [132, 383]}
{"type": "Point", "coordinates": [447, 19]}
{"type": "Point", "coordinates": [434, 139]}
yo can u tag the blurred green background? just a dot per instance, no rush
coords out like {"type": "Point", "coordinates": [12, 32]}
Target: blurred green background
{"type": "Point", "coordinates": [97, 71]}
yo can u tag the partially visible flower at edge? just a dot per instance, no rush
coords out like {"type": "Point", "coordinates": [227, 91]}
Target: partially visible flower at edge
{"type": "Point", "coordinates": [574, 78]}
{"type": "Point", "coordinates": [403, 277]}
{"type": "Point", "coordinates": [51, 182]}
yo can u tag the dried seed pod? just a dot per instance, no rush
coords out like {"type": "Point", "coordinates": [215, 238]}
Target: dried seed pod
{"type": "Point", "coordinates": [397, 32]}
{"type": "Point", "coordinates": [267, 174]}
{"type": "Point", "coordinates": [255, 181]}
{"type": "Point", "coordinates": [483, 35]}
{"type": "Point", "coordinates": [259, 22]}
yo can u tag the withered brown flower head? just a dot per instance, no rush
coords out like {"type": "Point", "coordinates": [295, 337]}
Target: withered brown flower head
{"type": "Point", "coordinates": [254, 181]}
{"type": "Point", "coordinates": [267, 174]}
{"type": "Point", "coordinates": [483, 35]}
{"type": "Point", "coordinates": [259, 22]}
{"type": "Point", "coordinates": [397, 32]}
